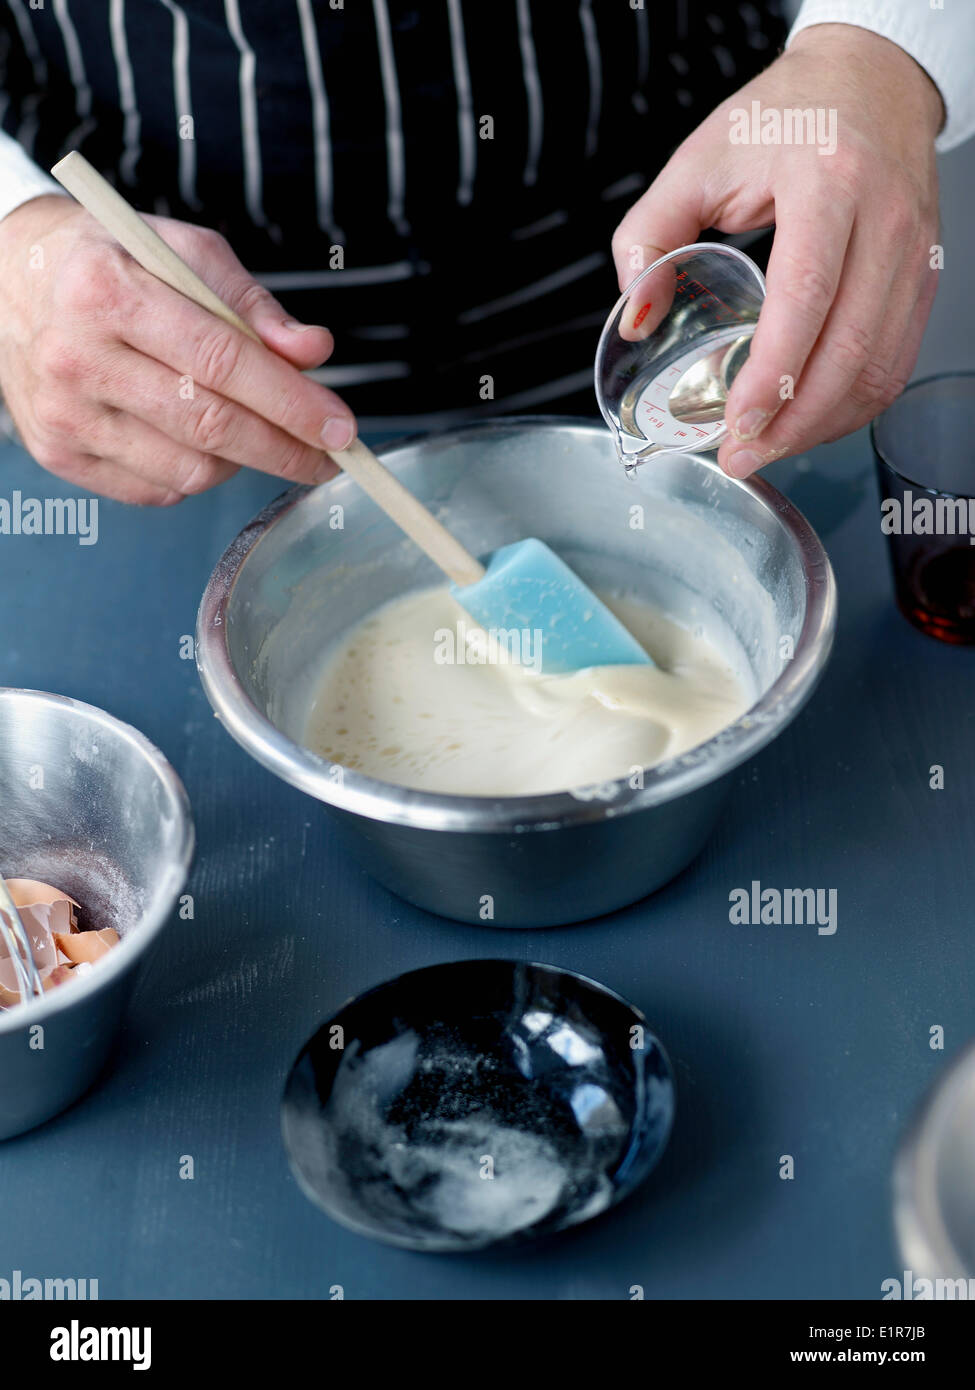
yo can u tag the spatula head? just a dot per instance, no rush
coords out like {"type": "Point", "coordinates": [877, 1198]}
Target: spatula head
{"type": "Point", "coordinates": [527, 587]}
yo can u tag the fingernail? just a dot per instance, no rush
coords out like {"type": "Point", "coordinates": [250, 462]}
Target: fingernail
{"type": "Point", "coordinates": [742, 463]}
{"type": "Point", "coordinates": [338, 432]}
{"type": "Point", "coordinates": [750, 423]}
{"type": "Point", "coordinates": [293, 326]}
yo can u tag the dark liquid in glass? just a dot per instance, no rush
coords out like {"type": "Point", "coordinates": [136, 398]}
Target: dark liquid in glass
{"type": "Point", "coordinates": [936, 590]}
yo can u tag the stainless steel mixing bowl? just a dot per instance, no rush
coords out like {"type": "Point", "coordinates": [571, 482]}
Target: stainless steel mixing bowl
{"type": "Point", "coordinates": [934, 1183]}
{"type": "Point", "coordinates": [89, 805]}
{"type": "Point", "coordinates": [734, 558]}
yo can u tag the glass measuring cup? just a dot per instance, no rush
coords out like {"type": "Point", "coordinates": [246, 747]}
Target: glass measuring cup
{"type": "Point", "coordinates": [671, 348]}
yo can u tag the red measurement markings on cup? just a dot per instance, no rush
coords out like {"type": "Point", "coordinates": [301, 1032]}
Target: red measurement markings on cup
{"type": "Point", "coordinates": [694, 289]}
{"type": "Point", "coordinates": [660, 390]}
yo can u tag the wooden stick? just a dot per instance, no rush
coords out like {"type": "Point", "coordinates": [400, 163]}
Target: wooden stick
{"type": "Point", "coordinates": [409, 513]}
{"type": "Point", "coordinates": [145, 245]}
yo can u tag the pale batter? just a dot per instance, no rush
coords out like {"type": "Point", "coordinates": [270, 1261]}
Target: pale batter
{"type": "Point", "coordinates": [388, 707]}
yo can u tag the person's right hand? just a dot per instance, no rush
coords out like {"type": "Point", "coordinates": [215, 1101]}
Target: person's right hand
{"type": "Point", "coordinates": [123, 386]}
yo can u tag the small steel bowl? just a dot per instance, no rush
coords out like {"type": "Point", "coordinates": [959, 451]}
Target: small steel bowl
{"type": "Point", "coordinates": [710, 549]}
{"type": "Point", "coordinates": [477, 1103]}
{"type": "Point", "coordinates": [90, 806]}
{"type": "Point", "coordinates": [934, 1181]}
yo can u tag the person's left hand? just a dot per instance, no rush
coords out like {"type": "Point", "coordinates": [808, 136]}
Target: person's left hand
{"type": "Point", "coordinates": [850, 277]}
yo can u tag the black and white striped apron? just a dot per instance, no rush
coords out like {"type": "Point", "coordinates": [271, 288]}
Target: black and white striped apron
{"type": "Point", "coordinates": [435, 180]}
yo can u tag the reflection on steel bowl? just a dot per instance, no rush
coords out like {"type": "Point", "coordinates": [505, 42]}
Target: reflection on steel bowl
{"type": "Point", "coordinates": [109, 824]}
{"type": "Point", "coordinates": [934, 1186]}
{"type": "Point", "coordinates": [735, 557]}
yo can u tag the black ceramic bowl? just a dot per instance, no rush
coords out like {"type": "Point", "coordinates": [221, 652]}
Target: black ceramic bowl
{"type": "Point", "coordinates": [477, 1102]}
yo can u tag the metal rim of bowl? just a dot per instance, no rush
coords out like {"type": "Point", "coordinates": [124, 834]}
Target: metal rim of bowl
{"type": "Point", "coordinates": [138, 938]}
{"type": "Point", "coordinates": [924, 1240]}
{"type": "Point", "coordinates": [314, 1195]}
{"type": "Point", "coordinates": [388, 802]}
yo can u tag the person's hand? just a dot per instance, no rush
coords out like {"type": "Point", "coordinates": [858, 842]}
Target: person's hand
{"type": "Point", "coordinates": [121, 385]}
{"type": "Point", "coordinates": [850, 281]}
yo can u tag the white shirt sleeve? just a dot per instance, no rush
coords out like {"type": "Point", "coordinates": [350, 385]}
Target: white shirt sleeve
{"type": "Point", "coordinates": [20, 178]}
{"type": "Point", "coordinates": [941, 40]}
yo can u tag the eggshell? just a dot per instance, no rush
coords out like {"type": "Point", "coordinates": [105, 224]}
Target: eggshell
{"type": "Point", "coordinates": [7, 996]}
{"type": "Point", "coordinates": [59, 975]}
{"type": "Point", "coordinates": [86, 945]}
{"type": "Point", "coordinates": [28, 891]}
{"type": "Point", "coordinates": [40, 921]}
{"type": "Point", "coordinates": [58, 948]}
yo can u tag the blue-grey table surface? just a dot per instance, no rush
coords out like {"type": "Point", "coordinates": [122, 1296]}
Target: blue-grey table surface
{"type": "Point", "coordinates": [784, 1041]}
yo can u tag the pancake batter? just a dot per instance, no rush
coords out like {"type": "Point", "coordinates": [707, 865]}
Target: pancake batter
{"type": "Point", "coordinates": [389, 705]}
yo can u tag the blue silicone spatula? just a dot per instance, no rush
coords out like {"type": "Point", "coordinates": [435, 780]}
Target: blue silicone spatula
{"type": "Point", "coordinates": [525, 585]}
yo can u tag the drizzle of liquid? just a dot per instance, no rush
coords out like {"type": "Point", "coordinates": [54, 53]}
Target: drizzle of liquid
{"type": "Point", "coordinates": [624, 455]}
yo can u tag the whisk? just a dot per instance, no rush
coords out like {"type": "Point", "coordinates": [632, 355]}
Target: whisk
{"type": "Point", "coordinates": [16, 942]}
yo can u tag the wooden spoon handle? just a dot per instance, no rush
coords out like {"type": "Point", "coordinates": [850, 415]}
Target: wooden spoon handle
{"type": "Point", "coordinates": [146, 246]}
{"type": "Point", "coordinates": [409, 513]}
